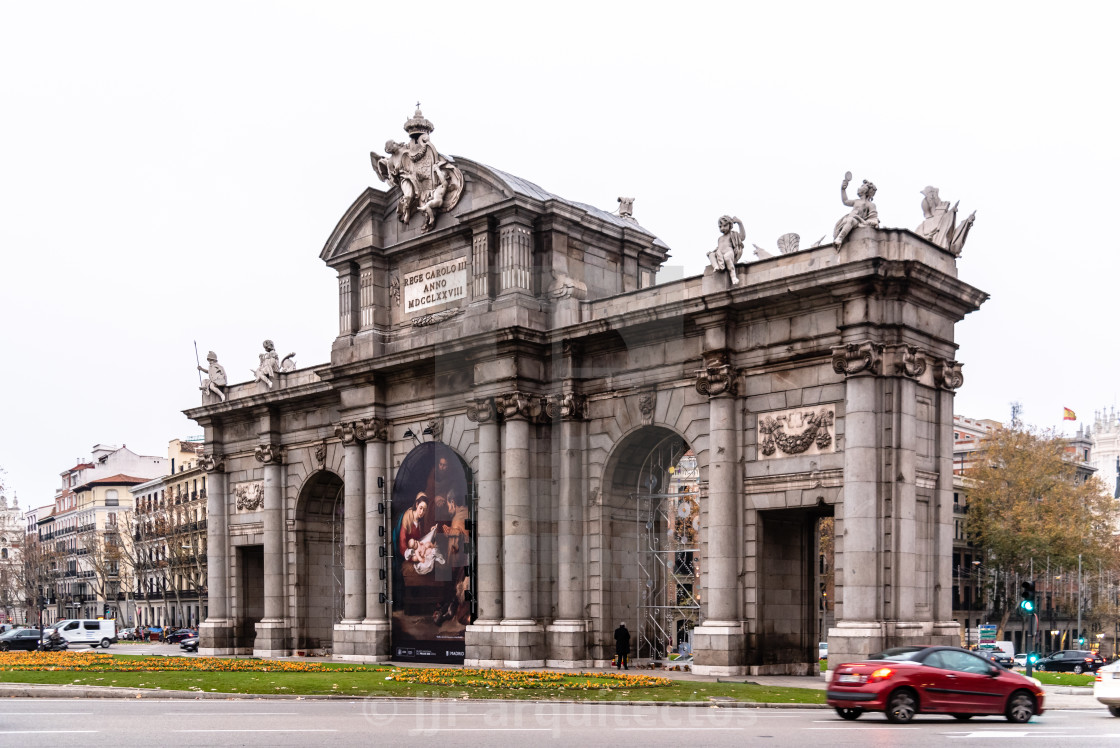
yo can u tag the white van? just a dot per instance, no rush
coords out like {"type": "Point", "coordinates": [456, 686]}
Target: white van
{"type": "Point", "coordinates": [94, 632]}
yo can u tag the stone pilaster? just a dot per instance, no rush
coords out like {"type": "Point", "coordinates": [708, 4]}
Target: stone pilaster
{"type": "Point", "coordinates": [515, 257]}
{"type": "Point", "coordinates": [272, 631]}
{"type": "Point", "coordinates": [488, 563]}
{"type": "Point", "coordinates": [216, 632]}
{"type": "Point", "coordinates": [353, 521]}
{"type": "Point", "coordinates": [719, 642]}
{"type": "Point", "coordinates": [567, 635]}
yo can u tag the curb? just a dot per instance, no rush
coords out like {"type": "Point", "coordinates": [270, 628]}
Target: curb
{"type": "Point", "coordinates": [32, 691]}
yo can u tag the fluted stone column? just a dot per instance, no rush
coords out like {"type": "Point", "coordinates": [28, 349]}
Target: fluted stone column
{"type": "Point", "coordinates": [719, 643]}
{"type": "Point", "coordinates": [217, 631]}
{"type": "Point", "coordinates": [272, 634]}
{"type": "Point", "coordinates": [567, 635]}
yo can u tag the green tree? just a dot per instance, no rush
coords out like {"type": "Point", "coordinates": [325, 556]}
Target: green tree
{"type": "Point", "coordinates": [1029, 499]}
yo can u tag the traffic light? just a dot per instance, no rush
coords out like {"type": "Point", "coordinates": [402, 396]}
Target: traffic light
{"type": "Point", "coordinates": [1026, 605]}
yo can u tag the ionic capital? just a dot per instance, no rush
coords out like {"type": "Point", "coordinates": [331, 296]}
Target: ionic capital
{"type": "Point", "coordinates": [569, 406]}
{"type": "Point", "coordinates": [213, 463]}
{"type": "Point", "coordinates": [717, 377]}
{"type": "Point", "coordinates": [947, 374]}
{"type": "Point", "coordinates": [857, 358]}
{"type": "Point", "coordinates": [269, 454]}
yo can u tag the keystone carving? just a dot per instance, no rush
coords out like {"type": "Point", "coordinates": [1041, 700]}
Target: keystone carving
{"type": "Point", "coordinates": [857, 358]}
{"type": "Point", "coordinates": [647, 403]}
{"type": "Point", "coordinates": [435, 428]}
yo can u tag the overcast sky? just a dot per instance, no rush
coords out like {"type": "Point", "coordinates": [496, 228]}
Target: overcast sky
{"type": "Point", "coordinates": [169, 174]}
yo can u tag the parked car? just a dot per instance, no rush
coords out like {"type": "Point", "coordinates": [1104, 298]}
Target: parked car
{"type": "Point", "coordinates": [822, 650]}
{"type": "Point", "coordinates": [905, 681]}
{"type": "Point", "coordinates": [998, 656]}
{"type": "Point", "coordinates": [27, 639]}
{"type": "Point", "coordinates": [1106, 687]}
{"type": "Point", "coordinates": [189, 644]}
{"type": "Point", "coordinates": [1070, 661]}
{"type": "Point", "coordinates": [177, 636]}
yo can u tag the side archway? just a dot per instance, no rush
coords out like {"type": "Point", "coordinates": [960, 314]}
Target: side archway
{"type": "Point", "coordinates": [319, 565]}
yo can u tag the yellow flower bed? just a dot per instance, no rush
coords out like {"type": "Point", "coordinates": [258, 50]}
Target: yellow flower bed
{"type": "Point", "coordinates": [95, 662]}
{"type": "Point", "coordinates": [523, 679]}
{"type": "Point", "coordinates": [512, 679]}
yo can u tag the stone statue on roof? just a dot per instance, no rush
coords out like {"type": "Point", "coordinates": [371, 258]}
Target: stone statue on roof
{"type": "Point", "coordinates": [216, 377]}
{"type": "Point", "coordinates": [729, 248]}
{"type": "Point", "coordinates": [429, 183]}
{"type": "Point", "coordinates": [940, 224]}
{"type": "Point", "coordinates": [863, 213]}
{"type": "Point", "coordinates": [271, 365]}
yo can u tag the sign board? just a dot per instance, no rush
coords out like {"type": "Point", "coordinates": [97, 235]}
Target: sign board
{"type": "Point", "coordinates": [988, 634]}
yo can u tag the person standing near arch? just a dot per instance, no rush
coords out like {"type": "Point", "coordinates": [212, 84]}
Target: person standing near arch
{"type": "Point", "coordinates": [622, 646]}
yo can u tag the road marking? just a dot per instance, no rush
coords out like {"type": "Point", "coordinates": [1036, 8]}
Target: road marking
{"type": "Point", "coordinates": [40, 732]}
{"type": "Point", "coordinates": [423, 730]}
{"type": "Point", "coordinates": [225, 714]}
{"type": "Point", "coordinates": [309, 730]}
{"type": "Point", "coordinates": [690, 729]}
{"type": "Point", "coordinates": [42, 714]}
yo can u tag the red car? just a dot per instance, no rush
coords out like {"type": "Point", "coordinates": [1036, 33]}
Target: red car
{"type": "Point", "coordinates": [905, 681]}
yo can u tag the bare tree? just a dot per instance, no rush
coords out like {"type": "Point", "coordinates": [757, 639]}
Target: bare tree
{"type": "Point", "coordinates": [100, 551]}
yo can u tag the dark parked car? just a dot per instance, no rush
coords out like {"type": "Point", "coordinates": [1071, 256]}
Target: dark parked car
{"type": "Point", "coordinates": [1070, 661]}
{"type": "Point", "coordinates": [178, 636]}
{"type": "Point", "coordinates": [19, 639]}
{"type": "Point", "coordinates": [190, 644]}
{"type": "Point", "coordinates": [999, 657]}
{"type": "Point", "coordinates": [905, 681]}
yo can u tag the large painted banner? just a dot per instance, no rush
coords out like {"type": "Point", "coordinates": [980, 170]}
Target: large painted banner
{"type": "Point", "coordinates": [431, 556]}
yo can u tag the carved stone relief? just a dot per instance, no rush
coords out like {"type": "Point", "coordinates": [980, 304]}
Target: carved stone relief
{"type": "Point", "coordinates": [429, 183]}
{"type": "Point", "coordinates": [518, 404]}
{"type": "Point", "coordinates": [940, 224]}
{"type": "Point", "coordinates": [435, 428]}
{"type": "Point", "coordinates": [863, 211]}
{"type": "Point", "coordinates": [796, 431]}
{"type": "Point", "coordinates": [249, 495]}
{"type": "Point", "coordinates": [647, 403]}
{"type": "Point", "coordinates": [321, 455]}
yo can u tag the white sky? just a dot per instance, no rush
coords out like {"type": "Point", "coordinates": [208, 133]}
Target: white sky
{"type": "Point", "coordinates": [170, 174]}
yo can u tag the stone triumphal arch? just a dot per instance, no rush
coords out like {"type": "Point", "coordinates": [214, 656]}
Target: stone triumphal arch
{"type": "Point", "coordinates": [521, 440]}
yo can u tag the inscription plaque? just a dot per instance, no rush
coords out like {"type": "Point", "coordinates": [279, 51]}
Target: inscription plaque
{"type": "Point", "coordinates": [435, 285]}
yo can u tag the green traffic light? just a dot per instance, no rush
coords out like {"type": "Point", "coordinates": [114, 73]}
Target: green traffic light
{"type": "Point", "coordinates": [1027, 606]}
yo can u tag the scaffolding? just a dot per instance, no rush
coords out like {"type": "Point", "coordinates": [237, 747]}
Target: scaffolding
{"type": "Point", "coordinates": [667, 535]}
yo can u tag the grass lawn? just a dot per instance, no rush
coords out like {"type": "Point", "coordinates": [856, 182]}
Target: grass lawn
{"type": "Point", "coordinates": [246, 676]}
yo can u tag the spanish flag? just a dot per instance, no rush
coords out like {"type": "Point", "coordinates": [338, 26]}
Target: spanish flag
{"type": "Point", "coordinates": [1068, 415]}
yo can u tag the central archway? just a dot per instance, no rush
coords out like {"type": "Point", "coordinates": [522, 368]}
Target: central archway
{"type": "Point", "coordinates": [651, 535]}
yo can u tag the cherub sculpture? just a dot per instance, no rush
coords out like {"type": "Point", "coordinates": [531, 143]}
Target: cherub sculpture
{"type": "Point", "coordinates": [729, 248]}
{"type": "Point", "coordinates": [863, 213]}
{"type": "Point", "coordinates": [270, 364]}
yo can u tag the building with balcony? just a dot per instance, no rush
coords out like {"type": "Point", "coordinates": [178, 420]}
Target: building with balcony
{"type": "Point", "coordinates": [166, 545]}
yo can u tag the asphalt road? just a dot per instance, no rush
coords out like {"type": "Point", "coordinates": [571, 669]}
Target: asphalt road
{"type": "Point", "coordinates": [85, 722]}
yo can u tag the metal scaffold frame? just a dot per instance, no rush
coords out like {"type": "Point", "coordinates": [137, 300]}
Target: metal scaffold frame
{"type": "Point", "coordinates": [667, 537]}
